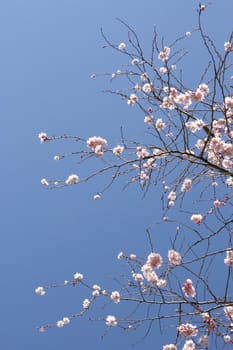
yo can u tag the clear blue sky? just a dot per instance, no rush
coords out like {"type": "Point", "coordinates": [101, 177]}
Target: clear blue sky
{"type": "Point", "coordinates": [49, 48]}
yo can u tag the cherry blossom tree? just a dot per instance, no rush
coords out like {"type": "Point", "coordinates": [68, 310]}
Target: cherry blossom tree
{"type": "Point", "coordinates": [189, 154]}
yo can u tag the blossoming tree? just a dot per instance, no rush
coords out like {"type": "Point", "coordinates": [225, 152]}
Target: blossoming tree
{"type": "Point", "coordinates": [190, 155]}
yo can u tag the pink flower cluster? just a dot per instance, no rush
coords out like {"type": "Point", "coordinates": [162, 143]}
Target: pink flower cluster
{"type": "Point", "coordinates": [189, 289]}
{"type": "Point", "coordinates": [118, 150]}
{"type": "Point", "coordinates": [186, 186]}
{"type": "Point", "coordinates": [209, 321]}
{"type": "Point", "coordinates": [154, 261]}
{"type": "Point", "coordinates": [185, 98]}
{"type": "Point", "coordinates": [194, 126]}
{"type": "Point", "coordinates": [142, 152]}
{"type": "Point", "coordinates": [174, 257]}
{"type": "Point", "coordinates": [220, 152]}
{"type": "Point", "coordinates": [163, 55]}
{"type": "Point", "coordinates": [159, 124]}
{"type": "Point", "coordinates": [150, 275]}
{"type": "Point", "coordinates": [132, 99]}
{"type": "Point", "coordinates": [218, 203]}
{"type": "Point", "coordinates": [228, 102]}
{"type": "Point", "coordinates": [204, 340]}
{"type": "Point", "coordinates": [189, 345]}
{"type": "Point", "coordinates": [96, 144]}
{"type": "Point", "coordinates": [187, 330]}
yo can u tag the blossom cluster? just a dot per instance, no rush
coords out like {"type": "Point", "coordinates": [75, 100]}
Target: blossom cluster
{"type": "Point", "coordinates": [174, 97]}
{"type": "Point", "coordinates": [96, 144]}
{"type": "Point", "coordinates": [187, 330]}
{"type": "Point", "coordinates": [188, 288]}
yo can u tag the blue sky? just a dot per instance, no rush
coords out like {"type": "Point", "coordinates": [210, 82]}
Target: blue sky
{"type": "Point", "coordinates": [49, 49]}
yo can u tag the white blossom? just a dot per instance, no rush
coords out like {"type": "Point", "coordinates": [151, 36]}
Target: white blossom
{"type": "Point", "coordinates": [78, 276]}
{"type": "Point", "coordinates": [121, 46]}
{"type": "Point", "coordinates": [40, 291]}
{"type": "Point", "coordinates": [86, 303]}
{"type": "Point", "coordinates": [115, 296]}
{"type": "Point", "coordinates": [111, 321]}
{"type": "Point", "coordinates": [72, 179]}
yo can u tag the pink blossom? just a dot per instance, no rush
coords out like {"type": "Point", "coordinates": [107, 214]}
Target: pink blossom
{"type": "Point", "coordinates": [197, 218]}
{"type": "Point", "coordinates": [132, 99]}
{"type": "Point", "coordinates": [78, 276]}
{"type": "Point", "coordinates": [227, 163]}
{"type": "Point", "coordinates": [229, 181]}
{"type": "Point", "coordinates": [154, 260]}
{"type": "Point", "coordinates": [96, 143]}
{"type": "Point", "coordinates": [202, 7]}
{"type": "Point", "coordinates": [135, 61]}
{"type": "Point", "coordinates": [227, 338]}
{"type": "Point", "coordinates": [149, 110]}
{"type": "Point", "coordinates": [188, 288]}
{"type": "Point", "coordinates": [229, 258]}
{"type": "Point", "coordinates": [143, 176]}
{"type": "Point", "coordinates": [163, 70]}
{"type": "Point", "coordinates": [210, 325]}
{"type": "Point", "coordinates": [159, 124]}
{"type": "Point", "coordinates": [118, 150]}
{"type": "Point", "coordinates": [133, 256]}
{"type": "Point", "coordinates": [168, 103]}
{"type": "Point", "coordinates": [187, 330]}
{"type": "Point", "coordinates": [228, 102]}
{"type": "Point", "coordinates": [229, 312]}
{"type": "Point", "coordinates": [186, 186]}
{"type": "Point", "coordinates": [195, 126]}
{"type": "Point", "coordinates": [137, 87]}
{"type": "Point", "coordinates": [174, 257]}
{"type": "Point", "coordinates": [149, 274]}
{"type": "Point", "coordinates": [44, 182]}
{"type": "Point", "coordinates": [72, 179]}
{"type": "Point", "coordinates": [86, 303]}
{"type": "Point", "coordinates": [170, 347]}
{"type": "Point", "coordinates": [96, 197]}
{"type": "Point", "coordinates": [148, 119]}
{"type": "Point", "coordinates": [218, 203]}
{"type": "Point", "coordinates": [115, 297]}
{"type": "Point", "coordinates": [172, 196]}
{"type": "Point", "coordinates": [43, 137]}
{"type": "Point", "coordinates": [151, 277]}
{"type": "Point", "coordinates": [120, 256]}
{"type": "Point", "coordinates": [203, 88]}
{"type": "Point", "coordinates": [111, 321]}
{"type": "Point", "coordinates": [197, 96]}
{"type": "Point", "coordinates": [161, 283]}
{"type": "Point", "coordinates": [163, 55]}
{"type": "Point", "coordinates": [204, 340]}
{"type": "Point", "coordinates": [227, 46]}
{"type": "Point", "coordinates": [141, 152]}
{"type": "Point", "coordinates": [147, 88]}
{"type": "Point", "coordinates": [189, 345]}
{"type": "Point", "coordinates": [121, 46]}
{"type": "Point", "coordinates": [144, 76]}
{"type": "Point", "coordinates": [138, 277]}
{"type": "Point", "coordinates": [184, 99]}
